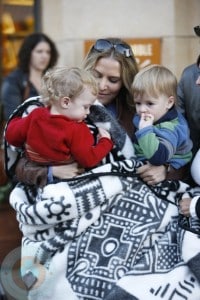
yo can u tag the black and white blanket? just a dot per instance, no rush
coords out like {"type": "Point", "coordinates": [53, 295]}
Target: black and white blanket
{"type": "Point", "coordinates": [107, 235]}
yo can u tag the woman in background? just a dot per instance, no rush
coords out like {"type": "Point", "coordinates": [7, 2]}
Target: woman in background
{"type": "Point", "coordinates": [36, 54]}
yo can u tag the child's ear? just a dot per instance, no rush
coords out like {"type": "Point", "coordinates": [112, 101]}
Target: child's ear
{"type": "Point", "coordinates": [64, 102]}
{"type": "Point", "coordinates": [171, 102]}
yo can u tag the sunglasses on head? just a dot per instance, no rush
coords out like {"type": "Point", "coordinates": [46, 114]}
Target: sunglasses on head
{"type": "Point", "coordinates": [102, 45]}
{"type": "Point", "coordinates": [197, 30]}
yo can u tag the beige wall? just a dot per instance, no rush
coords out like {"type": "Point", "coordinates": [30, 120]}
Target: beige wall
{"type": "Point", "coordinates": [69, 23]}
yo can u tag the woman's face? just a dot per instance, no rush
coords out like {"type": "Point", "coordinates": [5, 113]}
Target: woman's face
{"type": "Point", "coordinates": [40, 56]}
{"type": "Point", "coordinates": [108, 74]}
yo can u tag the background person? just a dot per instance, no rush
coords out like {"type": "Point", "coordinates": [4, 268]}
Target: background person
{"type": "Point", "coordinates": [36, 54]}
{"type": "Point", "coordinates": [189, 98]}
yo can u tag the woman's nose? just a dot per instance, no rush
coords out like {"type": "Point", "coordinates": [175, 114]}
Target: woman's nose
{"type": "Point", "coordinates": [103, 84]}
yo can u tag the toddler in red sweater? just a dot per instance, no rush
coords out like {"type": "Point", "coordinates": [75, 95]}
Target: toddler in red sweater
{"type": "Point", "coordinates": [57, 133]}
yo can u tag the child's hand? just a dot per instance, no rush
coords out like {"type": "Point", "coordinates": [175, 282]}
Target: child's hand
{"type": "Point", "coordinates": [184, 205]}
{"type": "Point", "coordinates": [103, 133]}
{"type": "Point", "coordinates": [146, 119]}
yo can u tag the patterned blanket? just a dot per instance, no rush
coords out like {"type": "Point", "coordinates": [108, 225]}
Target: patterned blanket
{"type": "Point", "coordinates": [107, 235]}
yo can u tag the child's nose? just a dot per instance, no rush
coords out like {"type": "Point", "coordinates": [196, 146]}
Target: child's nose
{"type": "Point", "coordinates": [143, 108]}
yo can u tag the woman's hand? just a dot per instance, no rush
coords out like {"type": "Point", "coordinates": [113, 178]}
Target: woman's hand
{"type": "Point", "coordinates": [184, 206]}
{"type": "Point", "coordinates": [152, 174]}
{"type": "Point", "coordinates": [32, 174]}
{"type": "Point", "coordinates": [67, 171]}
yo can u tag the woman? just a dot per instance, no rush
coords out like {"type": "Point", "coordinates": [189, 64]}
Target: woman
{"type": "Point", "coordinates": [86, 237]}
{"type": "Point", "coordinates": [114, 66]}
{"type": "Point", "coordinates": [37, 54]}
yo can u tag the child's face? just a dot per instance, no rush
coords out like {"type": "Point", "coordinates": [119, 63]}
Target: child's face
{"type": "Point", "coordinates": [79, 107]}
{"type": "Point", "coordinates": [157, 107]}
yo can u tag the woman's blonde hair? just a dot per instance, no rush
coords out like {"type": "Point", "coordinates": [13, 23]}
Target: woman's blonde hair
{"type": "Point", "coordinates": [155, 80]}
{"type": "Point", "coordinates": [66, 82]}
{"type": "Point", "coordinates": [129, 68]}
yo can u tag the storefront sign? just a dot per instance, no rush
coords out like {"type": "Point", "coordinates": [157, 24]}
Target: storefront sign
{"type": "Point", "coordinates": [146, 51]}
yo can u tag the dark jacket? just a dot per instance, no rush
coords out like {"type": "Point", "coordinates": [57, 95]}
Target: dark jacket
{"type": "Point", "coordinates": [189, 100]}
{"type": "Point", "coordinates": [15, 89]}
{"type": "Point", "coordinates": [197, 208]}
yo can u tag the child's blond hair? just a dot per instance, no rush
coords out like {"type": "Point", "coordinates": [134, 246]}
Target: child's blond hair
{"type": "Point", "coordinates": [66, 82]}
{"type": "Point", "coordinates": [155, 80]}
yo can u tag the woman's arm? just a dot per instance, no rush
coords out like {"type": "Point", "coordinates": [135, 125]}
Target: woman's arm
{"type": "Point", "coordinates": [30, 173]}
{"type": "Point", "coordinates": [67, 171]}
{"type": "Point", "coordinates": [155, 174]}
{"type": "Point", "coordinates": [33, 174]}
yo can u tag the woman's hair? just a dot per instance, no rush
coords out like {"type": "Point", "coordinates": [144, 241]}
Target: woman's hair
{"type": "Point", "coordinates": [155, 80]}
{"type": "Point", "coordinates": [129, 68]}
{"type": "Point", "coordinates": [198, 61]}
{"type": "Point", "coordinates": [29, 43]}
{"type": "Point", "coordinates": [66, 82]}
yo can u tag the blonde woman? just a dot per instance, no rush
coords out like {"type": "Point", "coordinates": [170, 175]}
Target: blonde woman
{"type": "Point", "coordinates": [113, 64]}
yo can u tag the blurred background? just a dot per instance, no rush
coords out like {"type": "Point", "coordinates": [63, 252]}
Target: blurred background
{"type": "Point", "coordinates": [159, 31]}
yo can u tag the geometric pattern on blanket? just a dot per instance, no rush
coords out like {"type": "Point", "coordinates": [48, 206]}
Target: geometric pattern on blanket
{"type": "Point", "coordinates": [123, 239]}
{"type": "Point", "coordinates": [138, 245]}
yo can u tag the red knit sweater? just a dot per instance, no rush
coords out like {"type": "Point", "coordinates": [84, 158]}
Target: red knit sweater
{"type": "Point", "coordinates": [55, 139]}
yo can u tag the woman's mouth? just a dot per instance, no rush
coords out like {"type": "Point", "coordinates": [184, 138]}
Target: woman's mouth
{"type": "Point", "coordinates": [103, 95]}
